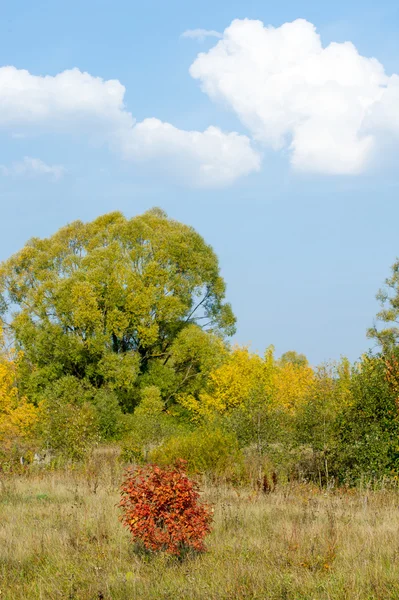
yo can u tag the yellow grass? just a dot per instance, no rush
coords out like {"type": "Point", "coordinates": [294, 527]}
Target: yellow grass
{"type": "Point", "coordinates": [60, 538]}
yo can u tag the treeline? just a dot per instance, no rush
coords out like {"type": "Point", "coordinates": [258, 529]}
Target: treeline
{"type": "Point", "coordinates": [117, 330]}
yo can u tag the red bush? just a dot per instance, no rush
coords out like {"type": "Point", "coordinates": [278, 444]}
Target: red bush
{"type": "Point", "coordinates": [161, 509]}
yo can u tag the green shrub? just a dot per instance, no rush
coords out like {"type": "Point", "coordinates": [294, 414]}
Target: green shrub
{"type": "Point", "coordinates": [210, 451]}
{"type": "Point", "coordinates": [368, 431]}
{"type": "Point", "coordinates": [110, 418]}
{"type": "Point", "coordinates": [70, 430]}
{"type": "Point", "coordinates": [148, 427]}
{"type": "Point", "coordinates": [69, 422]}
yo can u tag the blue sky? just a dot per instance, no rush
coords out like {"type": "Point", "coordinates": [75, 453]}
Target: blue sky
{"type": "Point", "coordinates": [302, 214]}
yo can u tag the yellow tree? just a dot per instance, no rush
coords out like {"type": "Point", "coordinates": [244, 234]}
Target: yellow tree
{"type": "Point", "coordinates": [17, 416]}
{"type": "Point", "coordinates": [256, 396]}
{"type": "Point", "coordinates": [232, 383]}
{"type": "Point", "coordinates": [293, 383]}
{"type": "Point", "coordinates": [285, 384]}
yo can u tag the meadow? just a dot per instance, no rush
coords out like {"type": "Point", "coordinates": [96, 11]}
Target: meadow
{"type": "Point", "coordinates": [118, 352]}
{"type": "Point", "coordinates": [60, 537]}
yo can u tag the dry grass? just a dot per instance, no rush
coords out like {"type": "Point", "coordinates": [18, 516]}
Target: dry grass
{"type": "Point", "coordinates": [60, 538]}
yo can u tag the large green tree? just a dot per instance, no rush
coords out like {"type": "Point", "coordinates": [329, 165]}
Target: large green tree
{"type": "Point", "coordinates": [110, 301]}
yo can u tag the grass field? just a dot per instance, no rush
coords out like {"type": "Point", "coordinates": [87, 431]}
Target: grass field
{"type": "Point", "coordinates": [60, 538]}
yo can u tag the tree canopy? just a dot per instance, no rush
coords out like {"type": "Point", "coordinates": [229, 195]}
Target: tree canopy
{"type": "Point", "coordinates": [388, 336]}
{"type": "Point", "coordinates": [105, 300]}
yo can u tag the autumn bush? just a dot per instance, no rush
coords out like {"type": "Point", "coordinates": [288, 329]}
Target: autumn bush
{"type": "Point", "coordinates": [161, 509]}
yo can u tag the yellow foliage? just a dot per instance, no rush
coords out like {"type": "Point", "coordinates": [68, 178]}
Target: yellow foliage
{"type": "Point", "coordinates": [231, 384]}
{"type": "Point", "coordinates": [17, 415]}
{"type": "Point", "coordinates": [293, 384]}
{"type": "Point", "coordinates": [245, 375]}
{"type": "Point", "coordinates": [233, 381]}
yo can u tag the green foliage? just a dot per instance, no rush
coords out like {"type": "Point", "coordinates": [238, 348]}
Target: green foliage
{"type": "Point", "coordinates": [110, 418]}
{"type": "Point", "coordinates": [70, 430]}
{"type": "Point", "coordinates": [193, 355]}
{"type": "Point", "coordinates": [206, 450]}
{"type": "Point", "coordinates": [68, 390]}
{"type": "Point", "coordinates": [151, 404]}
{"type": "Point", "coordinates": [75, 415]}
{"type": "Point", "coordinates": [149, 426]}
{"type": "Point", "coordinates": [69, 423]}
{"type": "Point", "coordinates": [388, 336]}
{"type": "Point", "coordinates": [315, 421]}
{"type": "Point", "coordinates": [294, 358]}
{"type": "Point", "coordinates": [102, 301]}
{"type": "Point", "coordinates": [160, 375]}
{"type": "Point", "coordinates": [257, 421]}
{"type": "Point", "coordinates": [368, 430]}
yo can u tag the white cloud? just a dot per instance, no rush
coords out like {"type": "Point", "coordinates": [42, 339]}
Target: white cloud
{"type": "Point", "coordinates": [201, 34]}
{"type": "Point", "coordinates": [330, 107]}
{"type": "Point", "coordinates": [32, 167]}
{"type": "Point", "coordinates": [73, 101]}
{"type": "Point", "coordinates": [69, 98]}
{"type": "Point", "coordinates": [209, 158]}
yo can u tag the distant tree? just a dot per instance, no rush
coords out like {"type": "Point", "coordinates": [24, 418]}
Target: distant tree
{"type": "Point", "coordinates": [109, 301]}
{"type": "Point", "coordinates": [292, 357]}
{"type": "Point", "coordinates": [388, 296]}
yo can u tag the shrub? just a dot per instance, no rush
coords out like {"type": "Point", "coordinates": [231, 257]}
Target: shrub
{"type": "Point", "coordinates": [205, 450]}
{"type": "Point", "coordinates": [69, 420]}
{"type": "Point", "coordinates": [161, 509]}
{"type": "Point", "coordinates": [109, 415]}
{"type": "Point", "coordinates": [69, 430]}
{"type": "Point", "coordinates": [148, 427]}
{"type": "Point", "coordinates": [368, 430]}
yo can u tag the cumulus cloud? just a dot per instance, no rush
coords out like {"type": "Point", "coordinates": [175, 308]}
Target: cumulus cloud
{"type": "Point", "coordinates": [205, 158]}
{"type": "Point", "coordinates": [76, 101]}
{"type": "Point", "coordinates": [32, 167]}
{"type": "Point", "coordinates": [201, 34]}
{"type": "Point", "coordinates": [70, 98]}
{"type": "Point", "coordinates": [329, 106]}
